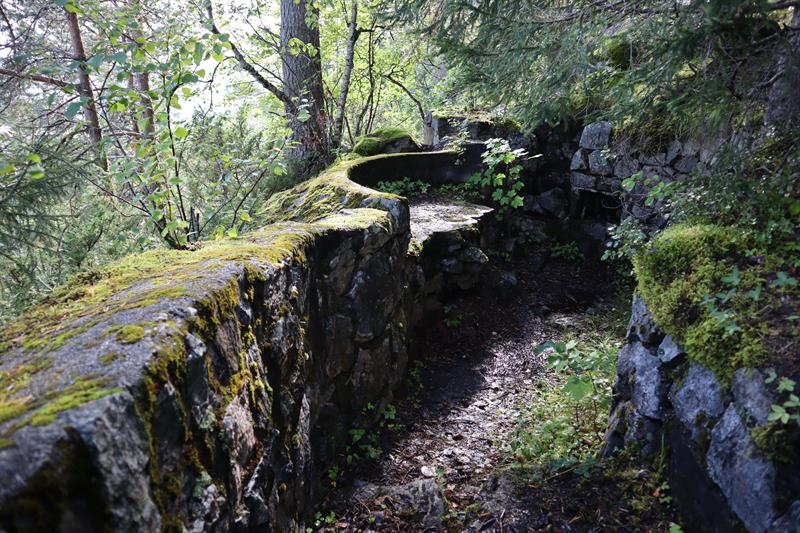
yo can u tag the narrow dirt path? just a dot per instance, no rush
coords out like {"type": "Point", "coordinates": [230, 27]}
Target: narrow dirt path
{"type": "Point", "coordinates": [476, 373]}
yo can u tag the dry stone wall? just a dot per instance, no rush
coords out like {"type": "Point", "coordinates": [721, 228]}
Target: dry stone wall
{"type": "Point", "coordinates": [602, 162]}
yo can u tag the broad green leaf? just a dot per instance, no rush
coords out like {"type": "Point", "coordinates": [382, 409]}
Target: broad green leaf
{"type": "Point", "coordinates": [72, 110]}
{"type": "Point", "coordinates": [199, 50]}
{"type": "Point", "coordinates": [578, 388]}
{"type": "Point", "coordinates": [36, 172]}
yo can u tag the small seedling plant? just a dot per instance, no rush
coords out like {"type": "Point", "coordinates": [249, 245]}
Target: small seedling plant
{"type": "Point", "coordinates": [568, 251]}
{"type": "Point", "coordinates": [788, 410]}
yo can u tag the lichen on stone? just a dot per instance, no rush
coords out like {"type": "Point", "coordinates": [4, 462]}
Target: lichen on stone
{"type": "Point", "coordinates": [128, 334]}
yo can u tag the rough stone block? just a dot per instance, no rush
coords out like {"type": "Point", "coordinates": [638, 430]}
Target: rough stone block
{"type": "Point", "coordinates": [578, 161]}
{"type": "Point", "coordinates": [685, 164]}
{"type": "Point", "coordinates": [699, 401]}
{"type": "Point", "coordinates": [582, 181]}
{"type": "Point", "coordinates": [598, 164]}
{"type": "Point", "coordinates": [751, 394]}
{"type": "Point", "coordinates": [641, 326]}
{"type": "Point", "coordinates": [650, 385]}
{"type": "Point", "coordinates": [625, 167]}
{"type": "Point", "coordinates": [746, 479]}
{"type": "Point", "coordinates": [670, 353]}
{"type": "Point", "coordinates": [595, 136]}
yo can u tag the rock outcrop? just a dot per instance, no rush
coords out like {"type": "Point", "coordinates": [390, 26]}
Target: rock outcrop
{"type": "Point", "coordinates": [665, 404]}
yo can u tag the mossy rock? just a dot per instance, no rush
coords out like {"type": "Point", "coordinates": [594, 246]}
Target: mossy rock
{"type": "Point", "coordinates": [679, 270]}
{"type": "Point", "coordinates": [386, 140]}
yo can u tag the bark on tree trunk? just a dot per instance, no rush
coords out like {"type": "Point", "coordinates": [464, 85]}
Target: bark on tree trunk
{"type": "Point", "coordinates": [341, 105]}
{"type": "Point", "coordinates": [85, 87]}
{"type": "Point", "coordinates": [302, 82]}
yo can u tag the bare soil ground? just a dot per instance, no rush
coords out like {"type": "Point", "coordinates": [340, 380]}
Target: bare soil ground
{"type": "Point", "coordinates": [474, 375]}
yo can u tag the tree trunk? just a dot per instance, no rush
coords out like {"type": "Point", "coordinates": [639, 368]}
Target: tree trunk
{"type": "Point", "coordinates": [341, 105]}
{"type": "Point", "coordinates": [142, 79]}
{"type": "Point", "coordinates": [85, 87]}
{"type": "Point", "coordinates": [302, 82]}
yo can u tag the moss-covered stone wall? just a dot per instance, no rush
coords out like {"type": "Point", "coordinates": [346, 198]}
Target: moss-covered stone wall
{"type": "Point", "coordinates": [207, 389]}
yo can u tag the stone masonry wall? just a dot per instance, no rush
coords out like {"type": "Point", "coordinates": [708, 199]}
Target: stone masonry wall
{"type": "Point", "coordinates": [665, 404]}
{"type": "Point", "coordinates": [602, 162]}
{"type": "Point", "coordinates": [207, 392]}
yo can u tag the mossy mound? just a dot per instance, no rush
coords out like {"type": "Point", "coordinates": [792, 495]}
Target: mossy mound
{"type": "Point", "coordinates": [724, 306]}
{"type": "Point", "coordinates": [377, 141]}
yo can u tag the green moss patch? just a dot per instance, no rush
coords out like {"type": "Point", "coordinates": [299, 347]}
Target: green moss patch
{"type": "Point", "coordinates": [15, 380]}
{"type": "Point", "coordinates": [43, 410]}
{"type": "Point", "coordinates": [78, 393]}
{"type": "Point", "coordinates": [619, 52]}
{"type": "Point", "coordinates": [321, 197]}
{"type": "Point", "coordinates": [130, 334]}
{"type": "Point", "coordinates": [92, 296]}
{"type": "Point", "coordinates": [724, 307]}
{"type": "Point", "coordinates": [375, 142]}
{"type": "Point", "coordinates": [110, 357]}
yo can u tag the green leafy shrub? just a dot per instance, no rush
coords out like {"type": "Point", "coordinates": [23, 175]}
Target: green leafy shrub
{"type": "Point", "coordinates": [375, 142]}
{"type": "Point", "coordinates": [404, 187]}
{"type": "Point", "coordinates": [568, 251]}
{"type": "Point", "coordinates": [502, 175]}
{"type": "Point", "coordinates": [570, 418]}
